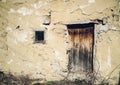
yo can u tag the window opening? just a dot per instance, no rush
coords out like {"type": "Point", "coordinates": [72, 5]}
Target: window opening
{"type": "Point", "coordinates": [39, 37]}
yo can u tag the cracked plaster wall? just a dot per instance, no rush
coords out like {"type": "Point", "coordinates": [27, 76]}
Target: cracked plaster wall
{"type": "Point", "coordinates": [20, 18]}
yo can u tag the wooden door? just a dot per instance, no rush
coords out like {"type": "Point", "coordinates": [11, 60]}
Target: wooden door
{"type": "Point", "coordinates": [81, 52]}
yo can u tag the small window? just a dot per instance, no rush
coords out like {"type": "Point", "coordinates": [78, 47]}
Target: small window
{"type": "Point", "coordinates": [39, 37]}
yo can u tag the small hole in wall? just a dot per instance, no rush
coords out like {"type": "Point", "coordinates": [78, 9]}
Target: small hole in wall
{"type": "Point", "coordinates": [39, 37]}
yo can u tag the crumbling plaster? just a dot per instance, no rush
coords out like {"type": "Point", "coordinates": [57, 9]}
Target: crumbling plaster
{"type": "Point", "coordinates": [20, 18]}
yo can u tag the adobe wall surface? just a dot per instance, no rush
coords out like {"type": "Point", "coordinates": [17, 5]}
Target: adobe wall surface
{"type": "Point", "coordinates": [19, 19]}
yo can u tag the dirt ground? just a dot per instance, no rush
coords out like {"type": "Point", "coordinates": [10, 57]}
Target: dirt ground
{"type": "Point", "coordinates": [9, 79]}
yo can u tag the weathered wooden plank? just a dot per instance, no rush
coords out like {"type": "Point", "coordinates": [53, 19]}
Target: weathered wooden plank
{"type": "Point", "coordinates": [82, 40]}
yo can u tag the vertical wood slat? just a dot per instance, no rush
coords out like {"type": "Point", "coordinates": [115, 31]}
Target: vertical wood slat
{"type": "Point", "coordinates": [80, 56]}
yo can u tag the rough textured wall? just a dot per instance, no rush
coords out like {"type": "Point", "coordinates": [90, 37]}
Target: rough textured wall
{"type": "Point", "coordinates": [3, 34]}
{"type": "Point", "coordinates": [19, 19]}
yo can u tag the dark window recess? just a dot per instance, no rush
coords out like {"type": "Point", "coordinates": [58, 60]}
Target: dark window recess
{"type": "Point", "coordinates": [39, 37]}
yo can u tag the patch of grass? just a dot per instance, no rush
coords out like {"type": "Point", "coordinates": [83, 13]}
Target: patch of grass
{"type": "Point", "coordinates": [78, 82]}
{"type": "Point", "coordinates": [38, 84]}
{"type": "Point", "coordinates": [51, 83]}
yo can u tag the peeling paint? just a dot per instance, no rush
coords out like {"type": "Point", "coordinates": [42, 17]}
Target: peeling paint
{"type": "Point", "coordinates": [91, 1]}
{"type": "Point", "coordinates": [55, 66]}
{"type": "Point", "coordinates": [37, 13]}
{"type": "Point", "coordinates": [39, 4]}
{"type": "Point", "coordinates": [109, 58]}
{"type": "Point", "coordinates": [36, 6]}
{"type": "Point", "coordinates": [4, 1]}
{"type": "Point", "coordinates": [29, 65]}
{"type": "Point", "coordinates": [103, 28]}
{"type": "Point", "coordinates": [11, 11]}
{"type": "Point", "coordinates": [100, 63]}
{"type": "Point", "coordinates": [24, 11]}
{"type": "Point", "coordinates": [10, 61]}
{"type": "Point", "coordinates": [9, 29]}
{"type": "Point", "coordinates": [13, 54]}
{"type": "Point", "coordinates": [84, 6]}
{"type": "Point", "coordinates": [114, 28]}
{"type": "Point", "coordinates": [21, 36]}
{"type": "Point", "coordinates": [20, 18]}
{"type": "Point", "coordinates": [50, 37]}
{"type": "Point", "coordinates": [57, 54]}
{"type": "Point", "coordinates": [15, 41]}
{"type": "Point", "coordinates": [65, 0]}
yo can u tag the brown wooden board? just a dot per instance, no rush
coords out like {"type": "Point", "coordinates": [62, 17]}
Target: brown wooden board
{"type": "Point", "coordinates": [81, 53]}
